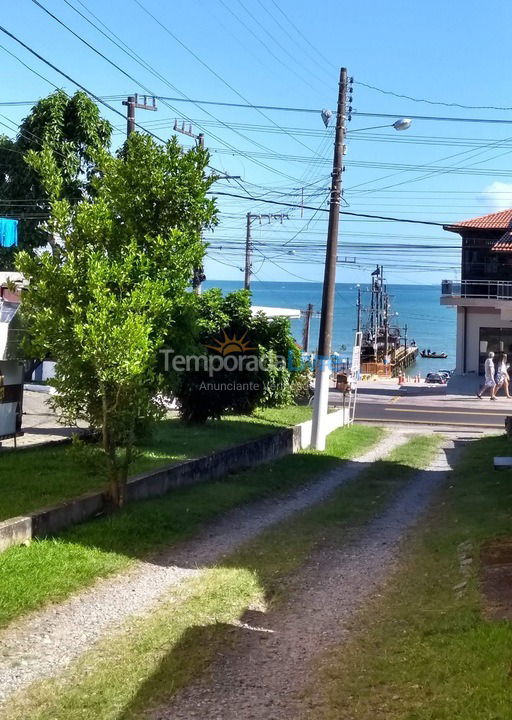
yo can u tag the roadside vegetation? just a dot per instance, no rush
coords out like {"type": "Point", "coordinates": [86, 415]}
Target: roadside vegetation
{"type": "Point", "coordinates": [427, 649]}
{"type": "Point", "coordinates": [77, 557]}
{"type": "Point", "coordinates": [127, 676]}
{"type": "Point", "coordinates": [32, 479]}
{"type": "Point", "coordinates": [119, 246]}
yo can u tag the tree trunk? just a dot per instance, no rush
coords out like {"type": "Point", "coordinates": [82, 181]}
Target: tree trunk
{"type": "Point", "coordinates": [109, 447]}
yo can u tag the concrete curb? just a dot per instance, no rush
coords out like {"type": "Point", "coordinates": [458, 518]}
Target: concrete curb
{"type": "Point", "coordinates": [156, 483]}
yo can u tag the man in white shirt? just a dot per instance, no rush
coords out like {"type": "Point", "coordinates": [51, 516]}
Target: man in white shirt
{"type": "Point", "coordinates": [489, 381]}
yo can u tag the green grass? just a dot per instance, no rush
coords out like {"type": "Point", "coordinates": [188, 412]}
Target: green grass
{"type": "Point", "coordinates": [125, 677]}
{"type": "Point", "coordinates": [49, 570]}
{"type": "Point", "coordinates": [117, 679]}
{"type": "Point", "coordinates": [281, 550]}
{"type": "Point", "coordinates": [427, 653]}
{"type": "Point", "coordinates": [31, 479]}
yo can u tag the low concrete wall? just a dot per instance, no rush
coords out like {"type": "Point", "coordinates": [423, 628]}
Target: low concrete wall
{"type": "Point", "coordinates": [52, 520]}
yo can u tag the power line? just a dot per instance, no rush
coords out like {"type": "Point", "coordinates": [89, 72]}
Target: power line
{"type": "Point", "coordinates": [211, 70]}
{"type": "Point", "coordinates": [312, 55]}
{"type": "Point", "coordinates": [32, 71]}
{"type": "Point", "coordinates": [431, 102]}
{"type": "Point", "coordinates": [320, 209]}
{"type": "Point", "coordinates": [301, 34]}
{"type": "Point", "coordinates": [355, 113]}
{"type": "Point", "coordinates": [75, 82]}
{"type": "Point", "coordinates": [133, 79]}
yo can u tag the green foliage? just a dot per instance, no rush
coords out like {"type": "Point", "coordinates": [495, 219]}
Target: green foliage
{"type": "Point", "coordinates": [264, 380]}
{"type": "Point", "coordinates": [104, 301]}
{"type": "Point", "coordinates": [95, 549]}
{"type": "Point", "coordinates": [44, 476]}
{"type": "Point", "coordinates": [72, 131]}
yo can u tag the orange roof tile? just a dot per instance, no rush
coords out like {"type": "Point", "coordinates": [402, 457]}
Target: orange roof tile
{"type": "Point", "coordinates": [504, 244]}
{"type": "Point", "coordinates": [495, 221]}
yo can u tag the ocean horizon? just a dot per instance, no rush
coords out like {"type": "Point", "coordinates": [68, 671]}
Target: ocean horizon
{"type": "Point", "coordinates": [430, 324]}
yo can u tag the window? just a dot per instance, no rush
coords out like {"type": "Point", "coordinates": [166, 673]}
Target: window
{"type": "Point", "coordinates": [496, 340]}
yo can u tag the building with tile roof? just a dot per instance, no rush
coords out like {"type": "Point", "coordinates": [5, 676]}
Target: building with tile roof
{"type": "Point", "coordinates": [483, 297]}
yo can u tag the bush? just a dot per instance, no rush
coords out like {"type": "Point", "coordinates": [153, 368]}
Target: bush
{"type": "Point", "coordinates": [260, 354]}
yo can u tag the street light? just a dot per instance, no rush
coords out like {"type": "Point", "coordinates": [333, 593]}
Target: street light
{"type": "Point", "coordinates": [400, 124]}
{"type": "Point", "coordinates": [323, 370]}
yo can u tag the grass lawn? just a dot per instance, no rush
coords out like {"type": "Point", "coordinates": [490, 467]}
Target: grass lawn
{"type": "Point", "coordinates": [427, 651]}
{"type": "Point", "coordinates": [31, 479]}
{"type": "Point", "coordinates": [125, 677]}
{"type": "Point", "coordinates": [49, 570]}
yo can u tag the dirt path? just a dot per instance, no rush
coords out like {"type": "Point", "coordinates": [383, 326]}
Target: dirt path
{"type": "Point", "coordinates": [270, 664]}
{"type": "Point", "coordinates": [44, 643]}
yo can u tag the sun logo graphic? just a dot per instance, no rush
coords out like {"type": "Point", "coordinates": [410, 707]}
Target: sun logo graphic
{"type": "Point", "coordinates": [229, 345]}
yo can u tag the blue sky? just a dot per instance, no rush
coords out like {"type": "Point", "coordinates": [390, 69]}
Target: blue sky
{"type": "Point", "coordinates": [456, 52]}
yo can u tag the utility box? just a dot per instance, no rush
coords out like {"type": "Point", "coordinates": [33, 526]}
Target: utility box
{"type": "Point", "coordinates": [11, 364]}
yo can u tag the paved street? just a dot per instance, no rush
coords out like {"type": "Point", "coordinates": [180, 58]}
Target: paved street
{"type": "Point", "coordinates": [452, 405]}
{"type": "Point", "coordinates": [39, 423]}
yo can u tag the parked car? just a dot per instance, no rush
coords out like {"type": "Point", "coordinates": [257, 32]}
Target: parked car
{"type": "Point", "coordinates": [445, 374]}
{"type": "Point", "coordinates": [436, 378]}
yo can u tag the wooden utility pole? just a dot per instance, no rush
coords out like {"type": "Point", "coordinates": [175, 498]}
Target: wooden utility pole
{"type": "Point", "coordinates": [358, 329]}
{"type": "Point", "coordinates": [248, 241]}
{"type": "Point", "coordinates": [322, 375]}
{"type": "Point", "coordinates": [198, 277]}
{"type": "Point", "coordinates": [248, 253]}
{"type": "Point", "coordinates": [132, 102]}
{"type": "Point", "coordinates": [307, 314]}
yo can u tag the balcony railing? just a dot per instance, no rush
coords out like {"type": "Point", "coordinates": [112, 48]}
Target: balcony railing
{"type": "Point", "coordinates": [490, 289]}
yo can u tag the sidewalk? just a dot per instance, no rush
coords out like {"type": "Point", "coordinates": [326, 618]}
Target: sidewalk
{"type": "Point", "coordinates": [459, 393]}
{"type": "Point", "coordinates": [39, 423]}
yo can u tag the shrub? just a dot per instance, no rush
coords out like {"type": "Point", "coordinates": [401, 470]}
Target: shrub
{"type": "Point", "coordinates": [261, 348]}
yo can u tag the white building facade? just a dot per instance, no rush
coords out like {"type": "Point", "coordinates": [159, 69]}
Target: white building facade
{"type": "Point", "coordinates": [483, 297]}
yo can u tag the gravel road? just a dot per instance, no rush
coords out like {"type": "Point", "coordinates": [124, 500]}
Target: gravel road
{"type": "Point", "coordinates": [264, 674]}
{"type": "Point", "coordinates": [44, 643]}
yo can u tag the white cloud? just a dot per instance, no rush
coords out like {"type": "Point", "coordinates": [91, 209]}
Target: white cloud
{"type": "Point", "coordinates": [498, 195]}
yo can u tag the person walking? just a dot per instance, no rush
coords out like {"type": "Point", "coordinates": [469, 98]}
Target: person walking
{"type": "Point", "coordinates": [502, 377]}
{"type": "Point", "coordinates": [489, 382]}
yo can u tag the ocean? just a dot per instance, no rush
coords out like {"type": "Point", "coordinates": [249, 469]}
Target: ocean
{"type": "Point", "coordinates": [428, 323]}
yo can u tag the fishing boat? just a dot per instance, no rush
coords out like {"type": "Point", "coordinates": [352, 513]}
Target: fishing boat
{"type": "Point", "coordinates": [433, 355]}
{"type": "Point", "coordinates": [383, 351]}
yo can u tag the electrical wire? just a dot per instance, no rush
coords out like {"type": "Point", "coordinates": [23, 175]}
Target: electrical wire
{"type": "Point", "coordinates": [212, 71]}
{"type": "Point", "coordinates": [129, 76]}
{"type": "Point", "coordinates": [343, 212]}
{"type": "Point", "coordinates": [301, 34]}
{"type": "Point", "coordinates": [70, 79]}
{"type": "Point", "coordinates": [431, 102]}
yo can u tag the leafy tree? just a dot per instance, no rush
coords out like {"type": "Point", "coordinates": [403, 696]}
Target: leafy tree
{"type": "Point", "coordinates": [269, 381]}
{"type": "Point", "coordinates": [72, 129]}
{"type": "Point", "coordinates": [106, 301]}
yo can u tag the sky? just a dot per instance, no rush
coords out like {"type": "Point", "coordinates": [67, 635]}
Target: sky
{"type": "Point", "coordinates": [287, 54]}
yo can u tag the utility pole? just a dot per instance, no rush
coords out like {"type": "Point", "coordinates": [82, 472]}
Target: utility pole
{"type": "Point", "coordinates": [358, 310]}
{"type": "Point", "coordinates": [307, 314]}
{"type": "Point", "coordinates": [248, 253]}
{"type": "Point", "coordinates": [322, 375]}
{"type": "Point", "coordinates": [132, 102]}
{"type": "Point", "coordinates": [248, 241]}
{"type": "Point", "coordinates": [405, 336]}
{"type": "Point", "coordinates": [188, 131]}
{"type": "Point", "coordinates": [386, 331]}
{"type": "Point", "coordinates": [198, 277]}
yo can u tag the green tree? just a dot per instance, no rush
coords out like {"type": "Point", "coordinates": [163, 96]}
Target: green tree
{"type": "Point", "coordinates": [266, 377]}
{"type": "Point", "coordinates": [73, 130]}
{"type": "Point", "coordinates": [106, 301]}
